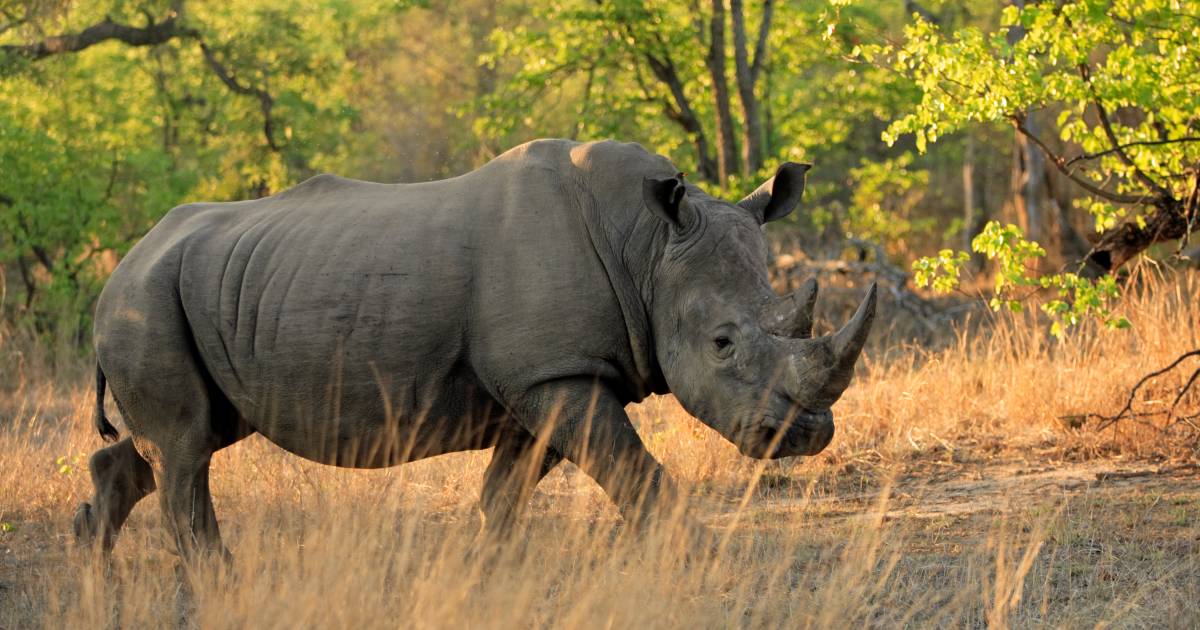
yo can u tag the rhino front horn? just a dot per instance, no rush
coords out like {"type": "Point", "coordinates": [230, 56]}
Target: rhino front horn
{"type": "Point", "coordinates": [818, 378]}
{"type": "Point", "coordinates": [849, 341]}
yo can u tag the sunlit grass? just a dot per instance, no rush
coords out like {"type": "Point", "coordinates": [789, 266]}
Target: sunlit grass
{"type": "Point", "coordinates": [863, 534]}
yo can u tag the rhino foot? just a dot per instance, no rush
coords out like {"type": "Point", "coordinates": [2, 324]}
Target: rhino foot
{"type": "Point", "coordinates": [85, 525]}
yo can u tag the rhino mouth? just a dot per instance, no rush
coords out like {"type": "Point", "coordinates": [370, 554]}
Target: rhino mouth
{"type": "Point", "coordinates": [800, 432]}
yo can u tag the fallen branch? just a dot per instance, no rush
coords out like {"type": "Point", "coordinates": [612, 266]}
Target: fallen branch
{"type": "Point", "coordinates": [1127, 410]}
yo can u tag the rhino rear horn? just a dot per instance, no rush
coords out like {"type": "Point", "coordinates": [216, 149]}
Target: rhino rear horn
{"type": "Point", "coordinates": [792, 316]}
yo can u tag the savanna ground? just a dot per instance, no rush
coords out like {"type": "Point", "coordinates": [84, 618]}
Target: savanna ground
{"type": "Point", "coordinates": [955, 493]}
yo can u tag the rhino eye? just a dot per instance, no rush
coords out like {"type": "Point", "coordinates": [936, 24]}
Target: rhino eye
{"type": "Point", "coordinates": [722, 344]}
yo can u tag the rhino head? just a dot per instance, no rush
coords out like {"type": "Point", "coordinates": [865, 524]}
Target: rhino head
{"type": "Point", "coordinates": [738, 357]}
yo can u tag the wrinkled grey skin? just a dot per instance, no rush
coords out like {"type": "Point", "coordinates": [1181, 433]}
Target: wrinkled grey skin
{"type": "Point", "coordinates": [520, 306]}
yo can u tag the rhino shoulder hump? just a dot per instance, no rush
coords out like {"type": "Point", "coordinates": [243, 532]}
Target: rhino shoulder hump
{"type": "Point", "coordinates": [317, 185]}
{"type": "Point", "coordinates": [185, 217]}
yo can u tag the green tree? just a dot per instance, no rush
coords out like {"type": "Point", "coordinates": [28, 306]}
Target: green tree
{"type": "Point", "coordinates": [665, 74]}
{"type": "Point", "coordinates": [1119, 76]}
{"type": "Point", "coordinates": [126, 109]}
{"type": "Point", "coordinates": [658, 71]}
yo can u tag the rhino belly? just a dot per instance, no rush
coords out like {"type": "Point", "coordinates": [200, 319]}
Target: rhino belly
{"type": "Point", "coordinates": [371, 422]}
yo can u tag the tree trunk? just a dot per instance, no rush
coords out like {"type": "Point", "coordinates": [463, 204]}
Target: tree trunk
{"type": "Point", "coordinates": [1029, 173]}
{"type": "Point", "coordinates": [1028, 163]}
{"type": "Point", "coordinates": [1169, 218]}
{"type": "Point", "coordinates": [727, 162]}
{"type": "Point", "coordinates": [1070, 244]}
{"type": "Point", "coordinates": [768, 136]}
{"type": "Point", "coordinates": [1117, 246]}
{"type": "Point", "coordinates": [973, 216]}
{"type": "Point", "coordinates": [679, 109]}
{"type": "Point", "coordinates": [747, 71]}
{"type": "Point", "coordinates": [480, 27]}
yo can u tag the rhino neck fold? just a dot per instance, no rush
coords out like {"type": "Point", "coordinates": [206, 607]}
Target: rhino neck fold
{"type": "Point", "coordinates": [629, 244]}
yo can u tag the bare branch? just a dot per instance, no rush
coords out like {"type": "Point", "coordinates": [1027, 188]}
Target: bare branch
{"type": "Point", "coordinates": [1183, 390]}
{"type": "Point", "coordinates": [1126, 411]}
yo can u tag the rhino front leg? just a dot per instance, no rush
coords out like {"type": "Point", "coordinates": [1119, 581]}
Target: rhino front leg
{"type": "Point", "coordinates": [588, 425]}
{"type": "Point", "coordinates": [518, 464]}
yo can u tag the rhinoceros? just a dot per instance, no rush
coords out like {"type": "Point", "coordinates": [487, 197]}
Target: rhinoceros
{"type": "Point", "coordinates": [521, 306]}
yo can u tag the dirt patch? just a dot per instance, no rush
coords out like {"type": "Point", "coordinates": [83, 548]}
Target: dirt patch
{"type": "Point", "coordinates": [992, 488]}
{"type": "Point", "coordinates": [1000, 487]}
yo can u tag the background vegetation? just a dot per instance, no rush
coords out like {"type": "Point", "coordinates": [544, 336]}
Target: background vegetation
{"type": "Point", "coordinates": [1076, 123]}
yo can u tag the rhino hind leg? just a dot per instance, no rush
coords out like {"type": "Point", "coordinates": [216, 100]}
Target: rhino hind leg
{"type": "Point", "coordinates": [517, 465]}
{"type": "Point", "coordinates": [181, 450]}
{"type": "Point", "coordinates": [121, 478]}
{"type": "Point", "coordinates": [186, 502]}
{"type": "Point", "coordinates": [178, 418]}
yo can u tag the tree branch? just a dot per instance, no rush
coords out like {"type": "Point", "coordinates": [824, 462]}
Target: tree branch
{"type": "Point", "coordinates": [1121, 243]}
{"type": "Point", "coordinates": [28, 280]}
{"type": "Point", "coordinates": [265, 101]}
{"type": "Point", "coordinates": [1112, 137]}
{"type": "Point", "coordinates": [153, 34]}
{"type": "Point", "coordinates": [38, 251]}
{"type": "Point", "coordinates": [1138, 143]}
{"type": "Point", "coordinates": [1060, 163]}
{"type": "Point", "coordinates": [682, 113]}
{"type": "Point", "coordinates": [12, 22]}
{"type": "Point", "coordinates": [911, 6]}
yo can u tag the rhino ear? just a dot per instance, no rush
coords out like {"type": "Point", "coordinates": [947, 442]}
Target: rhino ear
{"type": "Point", "coordinates": [665, 198]}
{"type": "Point", "coordinates": [778, 196]}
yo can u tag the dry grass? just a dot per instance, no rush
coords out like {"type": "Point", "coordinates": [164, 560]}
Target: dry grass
{"type": "Point", "coordinates": [952, 495]}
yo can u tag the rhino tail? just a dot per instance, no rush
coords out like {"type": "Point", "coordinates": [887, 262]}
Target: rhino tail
{"type": "Point", "coordinates": [105, 428]}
